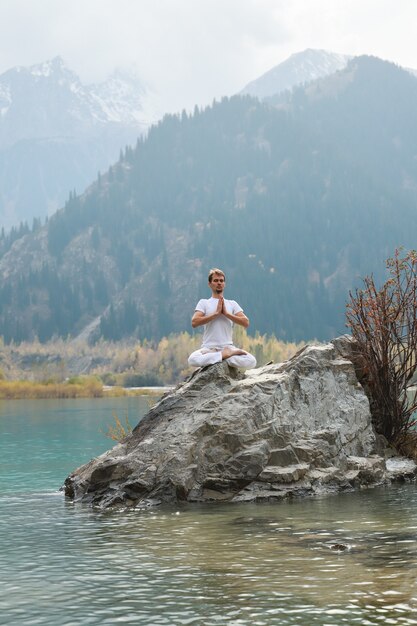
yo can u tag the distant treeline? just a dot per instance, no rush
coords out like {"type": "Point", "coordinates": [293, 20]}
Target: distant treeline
{"type": "Point", "coordinates": [125, 364]}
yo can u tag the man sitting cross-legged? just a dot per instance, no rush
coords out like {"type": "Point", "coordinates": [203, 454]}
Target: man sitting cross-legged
{"type": "Point", "coordinates": [218, 316]}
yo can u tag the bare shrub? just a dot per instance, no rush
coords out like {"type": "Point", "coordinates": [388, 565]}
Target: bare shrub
{"type": "Point", "coordinates": [384, 323]}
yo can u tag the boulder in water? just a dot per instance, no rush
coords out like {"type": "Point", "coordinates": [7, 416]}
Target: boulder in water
{"type": "Point", "coordinates": [301, 427]}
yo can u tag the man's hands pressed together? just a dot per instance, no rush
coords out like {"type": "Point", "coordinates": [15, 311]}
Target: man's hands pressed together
{"type": "Point", "coordinates": [240, 318]}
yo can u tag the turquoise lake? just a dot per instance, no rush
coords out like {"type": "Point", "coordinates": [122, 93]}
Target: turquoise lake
{"type": "Point", "coordinates": [241, 565]}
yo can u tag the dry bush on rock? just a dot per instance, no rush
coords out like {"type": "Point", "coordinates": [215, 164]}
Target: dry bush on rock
{"type": "Point", "coordinates": [384, 323]}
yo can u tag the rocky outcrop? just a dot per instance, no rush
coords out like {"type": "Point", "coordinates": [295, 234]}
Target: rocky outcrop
{"type": "Point", "coordinates": [301, 427]}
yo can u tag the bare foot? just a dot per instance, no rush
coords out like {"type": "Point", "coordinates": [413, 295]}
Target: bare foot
{"type": "Point", "coordinates": [228, 352]}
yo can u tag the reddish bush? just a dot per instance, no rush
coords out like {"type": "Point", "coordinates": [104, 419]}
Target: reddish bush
{"type": "Point", "coordinates": [384, 323]}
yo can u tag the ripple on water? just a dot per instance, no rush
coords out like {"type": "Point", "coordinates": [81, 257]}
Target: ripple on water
{"type": "Point", "coordinates": [66, 565]}
{"type": "Point", "coordinates": [267, 564]}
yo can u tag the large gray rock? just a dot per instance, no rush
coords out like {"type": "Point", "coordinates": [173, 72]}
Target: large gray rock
{"type": "Point", "coordinates": [297, 428]}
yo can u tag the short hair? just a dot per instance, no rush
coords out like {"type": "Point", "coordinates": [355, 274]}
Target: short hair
{"type": "Point", "coordinates": [215, 270]}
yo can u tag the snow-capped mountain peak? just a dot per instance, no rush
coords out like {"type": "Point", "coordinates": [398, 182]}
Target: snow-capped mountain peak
{"type": "Point", "coordinates": [56, 133]}
{"type": "Point", "coordinates": [299, 68]}
{"type": "Point", "coordinates": [49, 100]}
{"type": "Point", "coordinates": [53, 69]}
{"type": "Point", "coordinates": [124, 97]}
{"type": "Point", "coordinates": [48, 68]}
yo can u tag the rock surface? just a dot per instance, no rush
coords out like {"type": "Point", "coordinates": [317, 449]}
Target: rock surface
{"type": "Point", "coordinates": [301, 427]}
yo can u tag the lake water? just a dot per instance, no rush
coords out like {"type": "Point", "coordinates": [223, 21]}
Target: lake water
{"type": "Point", "coordinates": [66, 564]}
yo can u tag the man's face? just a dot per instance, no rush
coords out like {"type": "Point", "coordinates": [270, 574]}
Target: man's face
{"type": "Point", "coordinates": [217, 284]}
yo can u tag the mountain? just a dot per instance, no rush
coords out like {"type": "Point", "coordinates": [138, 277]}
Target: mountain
{"type": "Point", "coordinates": [295, 201]}
{"type": "Point", "coordinates": [56, 133]}
{"type": "Point", "coordinates": [298, 69]}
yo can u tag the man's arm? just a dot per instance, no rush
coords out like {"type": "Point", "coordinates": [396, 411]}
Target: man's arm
{"type": "Point", "coordinates": [240, 318]}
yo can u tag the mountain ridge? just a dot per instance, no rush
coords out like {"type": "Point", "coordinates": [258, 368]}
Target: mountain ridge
{"type": "Point", "coordinates": [299, 69]}
{"type": "Point", "coordinates": [85, 103]}
{"type": "Point", "coordinates": [295, 202]}
{"type": "Point", "coordinates": [56, 133]}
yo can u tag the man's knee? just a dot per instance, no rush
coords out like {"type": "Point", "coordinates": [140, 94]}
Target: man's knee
{"type": "Point", "coordinates": [246, 361]}
{"type": "Point", "coordinates": [193, 360]}
{"type": "Point", "coordinates": [251, 361]}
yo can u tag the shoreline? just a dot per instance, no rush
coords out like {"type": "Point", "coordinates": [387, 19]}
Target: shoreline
{"type": "Point", "coordinates": [28, 390]}
{"type": "Point", "coordinates": [148, 388]}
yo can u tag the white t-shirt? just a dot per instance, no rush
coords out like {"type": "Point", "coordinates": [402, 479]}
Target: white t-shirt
{"type": "Point", "coordinates": [218, 332]}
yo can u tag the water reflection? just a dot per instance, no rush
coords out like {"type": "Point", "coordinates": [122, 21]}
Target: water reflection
{"type": "Point", "coordinates": [347, 559]}
{"type": "Point", "coordinates": [263, 564]}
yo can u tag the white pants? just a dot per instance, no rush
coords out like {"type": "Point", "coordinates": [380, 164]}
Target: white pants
{"type": "Point", "coordinates": [205, 356]}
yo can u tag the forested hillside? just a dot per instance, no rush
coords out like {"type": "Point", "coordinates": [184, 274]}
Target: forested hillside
{"type": "Point", "coordinates": [295, 199]}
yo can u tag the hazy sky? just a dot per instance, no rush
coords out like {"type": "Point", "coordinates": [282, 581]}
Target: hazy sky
{"type": "Point", "coordinates": [192, 51]}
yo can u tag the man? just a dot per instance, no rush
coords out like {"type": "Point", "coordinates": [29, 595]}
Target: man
{"type": "Point", "coordinates": [218, 315]}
